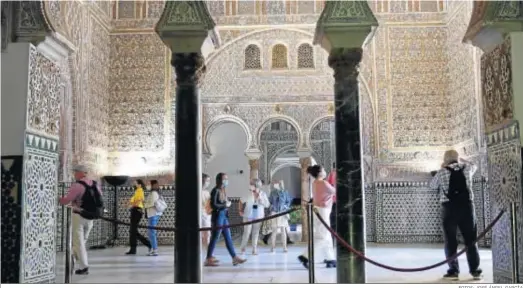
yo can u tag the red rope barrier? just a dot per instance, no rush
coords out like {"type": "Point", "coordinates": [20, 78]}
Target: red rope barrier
{"type": "Point", "coordinates": [172, 229]}
{"type": "Point", "coordinates": [452, 258]}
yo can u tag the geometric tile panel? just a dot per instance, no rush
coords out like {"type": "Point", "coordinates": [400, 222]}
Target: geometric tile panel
{"type": "Point", "coordinates": [11, 217]}
{"type": "Point", "coordinates": [504, 161]}
{"type": "Point", "coordinates": [505, 171]}
{"type": "Point", "coordinates": [370, 213]}
{"type": "Point", "coordinates": [501, 248]}
{"type": "Point", "coordinates": [124, 193]}
{"type": "Point", "coordinates": [39, 188]}
{"type": "Point", "coordinates": [410, 212]}
{"type": "Point", "coordinates": [407, 212]}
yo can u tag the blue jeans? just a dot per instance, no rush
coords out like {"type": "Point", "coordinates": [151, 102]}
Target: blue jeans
{"type": "Point", "coordinates": [153, 221]}
{"type": "Point", "coordinates": [220, 219]}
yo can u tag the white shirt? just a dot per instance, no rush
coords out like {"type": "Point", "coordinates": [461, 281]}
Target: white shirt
{"type": "Point", "coordinates": [262, 202]}
{"type": "Point", "coordinates": [149, 204]}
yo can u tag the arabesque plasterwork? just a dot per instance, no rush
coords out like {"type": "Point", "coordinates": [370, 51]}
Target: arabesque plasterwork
{"type": "Point", "coordinates": [122, 102]}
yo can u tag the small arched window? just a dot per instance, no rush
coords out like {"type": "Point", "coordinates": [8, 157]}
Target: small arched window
{"type": "Point", "coordinates": [279, 57]}
{"type": "Point", "coordinates": [305, 56]}
{"type": "Point", "coordinates": [252, 57]}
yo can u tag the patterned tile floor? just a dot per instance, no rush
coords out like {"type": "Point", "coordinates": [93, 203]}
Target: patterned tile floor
{"type": "Point", "coordinates": [112, 266]}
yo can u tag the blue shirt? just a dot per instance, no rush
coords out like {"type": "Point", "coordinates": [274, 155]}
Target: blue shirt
{"type": "Point", "coordinates": [280, 201]}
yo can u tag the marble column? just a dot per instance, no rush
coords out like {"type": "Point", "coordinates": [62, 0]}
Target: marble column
{"type": "Point", "coordinates": [350, 199]}
{"type": "Point", "coordinates": [254, 164]}
{"type": "Point", "coordinates": [188, 67]}
{"type": "Point", "coordinates": [305, 162]}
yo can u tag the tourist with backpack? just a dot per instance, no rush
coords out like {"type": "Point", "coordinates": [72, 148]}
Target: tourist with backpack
{"type": "Point", "coordinates": [154, 205]}
{"type": "Point", "coordinates": [85, 197]}
{"type": "Point", "coordinates": [454, 184]}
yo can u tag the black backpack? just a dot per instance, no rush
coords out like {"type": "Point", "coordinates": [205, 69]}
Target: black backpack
{"type": "Point", "coordinates": [92, 202]}
{"type": "Point", "coordinates": [458, 190]}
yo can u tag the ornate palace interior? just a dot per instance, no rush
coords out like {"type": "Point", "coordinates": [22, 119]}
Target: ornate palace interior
{"type": "Point", "coordinates": [91, 82]}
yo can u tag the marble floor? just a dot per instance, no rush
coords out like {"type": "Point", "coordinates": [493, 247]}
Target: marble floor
{"type": "Point", "coordinates": [112, 266]}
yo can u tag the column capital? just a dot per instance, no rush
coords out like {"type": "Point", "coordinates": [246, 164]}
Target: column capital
{"type": "Point", "coordinates": [186, 27]}
{"type": "Point", "coordinates": [253, 154]}
{"type": "Point", "coordinates": [34, 30]}
{"type": "Point", "coordinates": [491, 21]}
{"type": "Point", "coordinates": [346, 24]}
{"type": "Point", "coordinates": [345, 62]}
{"type": "Point", "coordinates": [189, 68]}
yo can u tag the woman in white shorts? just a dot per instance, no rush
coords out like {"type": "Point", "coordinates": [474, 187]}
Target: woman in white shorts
{"type": "Point", "coordinates": [206, 209]}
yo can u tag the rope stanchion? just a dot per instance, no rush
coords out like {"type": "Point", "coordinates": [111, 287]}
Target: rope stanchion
{"type": "Point", "coordinates": [172, 229]}
{"type": "Point", "coordinates": [68, 246]}
{"type": "Point", "coordinates": [310, 242]}
{"type": "Point", "coordinates": [446, 261]}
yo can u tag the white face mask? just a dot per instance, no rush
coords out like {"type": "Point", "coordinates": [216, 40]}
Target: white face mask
{"type": "Point", "coordinates": [323, 174]}
{"type": "Point", "coordinates": [148, 187]}
{"type": "Point", "coordinates": [206, 184]}
{"type": "Point", "coordinates": [276, 186]}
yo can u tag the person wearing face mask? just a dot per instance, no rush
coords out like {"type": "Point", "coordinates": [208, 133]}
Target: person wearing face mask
{"type": "Point", "coordinates": [219, 204]}
{"type": "Point", "coordinates": [280, 202]}
{"type": "Point", "coordinates": [322, 193]}
{"type": "Point", "coordinates": [251, 208]}
{"type": "Point", "coordinates": [206, 209]}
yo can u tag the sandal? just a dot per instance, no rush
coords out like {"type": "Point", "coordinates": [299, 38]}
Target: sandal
{"type": "Point", "coordinates": [210, 263]}
{"type": "Point", "coordinates": [237, 261]}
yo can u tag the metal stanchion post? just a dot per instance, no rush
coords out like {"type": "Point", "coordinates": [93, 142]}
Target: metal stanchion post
{"type": "Point", "coordinates": [68, 246]}
{"type": "Point", "coordinates": [514, 233]}
{"type": "Point", "coordinates": [310, 247]}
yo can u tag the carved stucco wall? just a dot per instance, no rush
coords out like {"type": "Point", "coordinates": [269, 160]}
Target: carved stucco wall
{"type": "Point", "coordinates": [140, 96]}
{"type": "Point", "coordinates": [407, 75]}
{"type": "Point", "coordinates": [464, 88]}
{"type": "Point", "coordinates": [408, 82]}
{"type": "Point", "coordinates": [86, 26]}
{"type": "Point", "coordinates": [426, 91]}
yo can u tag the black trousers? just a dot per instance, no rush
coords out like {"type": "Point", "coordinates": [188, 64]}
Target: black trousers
{"type": "Point", "coordinates": [462, 216]}
{"type": "Point", "coordinates": [134, 235]}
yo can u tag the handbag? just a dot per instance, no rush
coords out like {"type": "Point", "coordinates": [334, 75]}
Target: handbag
{"type": "Point", "coordinates": [207, 208]}
{"type": "Point", "coordinates": [160, 205]}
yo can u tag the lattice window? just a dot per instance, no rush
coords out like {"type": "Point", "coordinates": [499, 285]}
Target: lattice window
{"type": "Point", "coordinates": [252, 57]}
{"type": "Point", "coordinates": [305, 56]}
{"type": "Point", "coordinates": [279, 57]}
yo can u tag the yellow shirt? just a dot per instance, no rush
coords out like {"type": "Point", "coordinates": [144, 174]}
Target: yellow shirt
{"type": "Point", "coordinates": [138, 198]}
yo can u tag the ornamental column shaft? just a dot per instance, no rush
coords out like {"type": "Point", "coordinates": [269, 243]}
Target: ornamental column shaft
{"type": "Point", "coordinates": [254, 163]}
{"type": "Point", "coordinates": [350, 214]}
{"type": "Point", "coordinates": [185, 27]}
{"type": "Point", "coordinates": [188, 68]}
{"type": "Point", "coordinates": [342, 30]}
{"type": "Point", "coordinates": [305, 162]}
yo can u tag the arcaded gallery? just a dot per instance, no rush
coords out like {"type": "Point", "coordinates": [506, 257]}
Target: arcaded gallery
{"type": "Point", "coordinates": [261, 141]}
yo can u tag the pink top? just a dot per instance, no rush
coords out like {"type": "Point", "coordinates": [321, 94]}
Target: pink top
{"type": "Point", "coordinates": [75, 193]}
{"type": "Point", "coordinates": [322, 193]}
{"type": "Point", "coordinates": [332, 180]}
